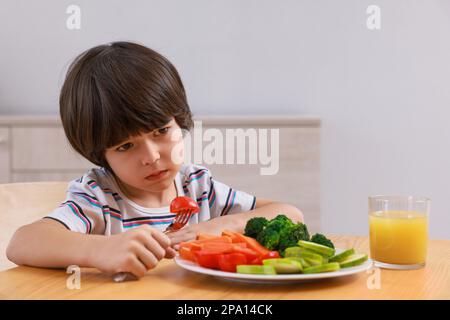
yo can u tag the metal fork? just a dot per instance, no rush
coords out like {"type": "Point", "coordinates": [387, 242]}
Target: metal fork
{"type": "Point", "coordinates": [181, 219]}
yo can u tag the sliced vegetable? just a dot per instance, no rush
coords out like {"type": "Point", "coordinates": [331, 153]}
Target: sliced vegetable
{"type": "Point", "coordinates": [250, 254]}
{"type": "Point", "coordinates": [187, 254]}
{"type": "Point", "coordinates": [328, 267]}
{"type": "Point", "coordinates": [320, 249]}
{"type": "Point", "coordinates": [312, 258]}
{"type": "Point", "coordinates": [342, 256]}
{"type": "Point", "coordinates": [218, 247]}
{"type": "Point", "coordinates": [191, 245]}
{"type": "Point", "coordinates": [309, 256]}
{"type": "Point", "coordinates": [302, 261]}
{"type": "Point", "coordinates": [197, 244]}
{"type": "Point", "coordinates": [215, 239]}
{"type": "Point", "coordinates": [228, 262]}
{"type": "Point", "coordinates": [353, 260]}
{"type": "Point", "coordinates": [252, 244]}
{"type": "Point", "coordinates": [271, 255]}
{"type": "Point", "coordinates": [284, 265]}
{"type": "Point", "coordinates": [231, 235]}
{"type": "Point", "coordinates": [293, 252]}
{"type": "Point", "coordinates": [207, 259]}
{"type": "Point", "coordinates": [252, 269]}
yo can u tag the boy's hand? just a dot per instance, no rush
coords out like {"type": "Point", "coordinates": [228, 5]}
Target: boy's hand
{"type": "Point", "coordinates": [135, 251]}
{"type": "Point", "coordinates": [187, 233]}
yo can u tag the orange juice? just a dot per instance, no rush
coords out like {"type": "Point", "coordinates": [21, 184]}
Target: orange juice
{"type": "Point", "coordinates": [398, 237]}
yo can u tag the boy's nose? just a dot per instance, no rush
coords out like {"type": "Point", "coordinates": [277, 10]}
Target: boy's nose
{"type": "Point", "coordinates": [150, 154]}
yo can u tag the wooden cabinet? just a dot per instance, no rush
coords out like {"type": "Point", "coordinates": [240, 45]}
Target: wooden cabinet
{"type": "Point", "coordinates": [43, 149]}
{"type": "Point", "coordinates": [36, 149]}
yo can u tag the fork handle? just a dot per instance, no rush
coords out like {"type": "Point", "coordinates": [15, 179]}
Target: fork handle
{"type": "Point", "coordinates": [123, 276]}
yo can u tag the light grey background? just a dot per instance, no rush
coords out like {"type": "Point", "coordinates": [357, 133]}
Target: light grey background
{"type": "Point", "coordinates": [383, 95]}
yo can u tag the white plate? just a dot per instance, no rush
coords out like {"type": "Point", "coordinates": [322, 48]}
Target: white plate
{"type": "Point", "coordinates": [270, 279]}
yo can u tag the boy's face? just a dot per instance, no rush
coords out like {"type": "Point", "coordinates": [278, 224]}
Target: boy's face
{"type": "Point", "coordinates": [148, 162]}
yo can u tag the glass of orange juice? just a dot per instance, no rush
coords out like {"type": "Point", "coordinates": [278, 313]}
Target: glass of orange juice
{"type": "Point", "coordinates": [399, 231]}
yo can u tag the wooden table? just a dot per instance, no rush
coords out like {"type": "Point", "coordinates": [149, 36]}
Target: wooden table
{"type": "Point", "coordinates": [168, 281]}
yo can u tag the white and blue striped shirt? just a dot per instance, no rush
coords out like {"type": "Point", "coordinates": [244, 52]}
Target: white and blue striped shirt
{"type": "Point", "coordinates": [95, 204]}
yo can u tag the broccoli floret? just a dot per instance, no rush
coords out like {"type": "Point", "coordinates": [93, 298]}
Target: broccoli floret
{"type": "Point", "coordinates": [282, 218]}
{"type": "Point", "coordinates": [269, 238]}
{"type": "Point", "coordinates": [291, 235]}
{"type": "Point", "coordinates": [278, 233]}
{"type": "Point", "coordinates": [279, 223]}
{"type": "Point", "coordinates": [276, 225]}
{"type": "Point", "coordinates": [321, 239]}
{"type": "Point", "coordinates": [254, 226]}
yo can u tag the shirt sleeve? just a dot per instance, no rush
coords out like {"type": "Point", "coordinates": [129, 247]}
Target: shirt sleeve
{"type": "Point", "coordinates": [82, 210]}
{"type": "Point", "coordinates": [227, 200]}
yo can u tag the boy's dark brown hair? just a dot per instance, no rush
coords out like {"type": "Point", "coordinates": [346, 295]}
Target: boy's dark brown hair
{"type": "Point", "coordinates": [118, 90]}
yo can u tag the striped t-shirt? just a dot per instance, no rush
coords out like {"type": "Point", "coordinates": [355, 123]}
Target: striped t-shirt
{"type": "Point", "coordinates": [95, 204]}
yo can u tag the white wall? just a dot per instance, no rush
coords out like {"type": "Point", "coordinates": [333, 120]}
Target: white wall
{"type": "Point", "coordinates": [383, 95]}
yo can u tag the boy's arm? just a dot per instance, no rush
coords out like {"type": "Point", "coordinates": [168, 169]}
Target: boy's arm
{"type": "Point", "coordinates": [47, 243]}
{"type": "Point", "coordinates": [237, 221]}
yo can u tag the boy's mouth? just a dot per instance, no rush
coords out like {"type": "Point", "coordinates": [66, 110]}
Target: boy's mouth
{"type": "Point", "coordinates": [156, 175]}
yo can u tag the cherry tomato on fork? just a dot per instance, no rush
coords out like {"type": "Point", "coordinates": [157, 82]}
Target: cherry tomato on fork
{"type": "Point", "coordinates": [184, 203]}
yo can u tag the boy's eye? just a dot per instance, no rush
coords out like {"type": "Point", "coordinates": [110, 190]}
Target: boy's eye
{"type": "Point", "coordinates": [125, 147]}
{"type": "Point", "coordinates": [161, 131]}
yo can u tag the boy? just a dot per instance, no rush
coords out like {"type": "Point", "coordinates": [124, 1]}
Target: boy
{"type": "Point", "coordinates": [123, 107]}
